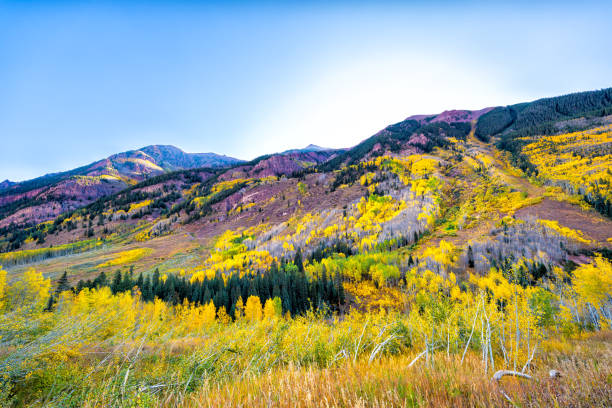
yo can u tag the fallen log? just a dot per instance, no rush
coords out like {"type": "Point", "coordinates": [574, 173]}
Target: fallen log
{"type": "Point", "coordinates": [502, 373]}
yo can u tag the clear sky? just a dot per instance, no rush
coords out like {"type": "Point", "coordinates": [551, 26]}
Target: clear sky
{"type": "Point", "coordinates": [80, 81]}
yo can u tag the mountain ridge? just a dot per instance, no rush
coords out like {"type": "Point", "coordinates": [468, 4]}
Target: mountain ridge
{"type": "Point", "coordinates": [57, 193]}
{"type": "Point", "coordinates": [67, 190]}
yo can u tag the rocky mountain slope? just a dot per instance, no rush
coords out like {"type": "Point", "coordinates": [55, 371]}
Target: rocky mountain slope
{"type": "Point", "coordinates": [44, 198]}
{"type": "Point", "coordinates": [38, 200]}
{"type": "Point", "coordinates": [435, 239]}
{"type": "Point", "coordinates": [420, 181]}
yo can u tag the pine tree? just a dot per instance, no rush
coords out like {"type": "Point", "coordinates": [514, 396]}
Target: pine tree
{"type": "Point", "coordinates": [286, 300]}
{"type": "Point", "coordinates": [147, 293]}
{"type": "Point", "coordinates": [100, 280]}
{"type": "Point", "coordinates": [196, 292]}
{"type": "Point", "coordinates": [206, 296]}
{"type": "Point", "coordinates": [470, 254]}
{"type": "Point", "coordinates": [127, 283]}
{"type": "Point", "coordinates": [80, 286]}
{"type": "Point", "coordinates": [140, 281]}
{"type": "Point", "coordinates": [116, 285]}
{"type": "Point", "coordinates": [155, 289]}
{"type": "Point", "coordinates": [62, 284]}
{"type": "Point", "coordinates": [339, 288]}
{"type": "Point", "coordinates": [297, 260]}
{"type": "Point", "coordinates": [171, 295]}
{"type": "Point", "coordinates": [50, 304]}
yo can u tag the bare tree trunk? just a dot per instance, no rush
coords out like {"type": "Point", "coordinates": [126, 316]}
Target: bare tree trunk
{"type": "Point", "coordinates": [517, 327]}
{"type": "Point", "coordinates": [471, 334]}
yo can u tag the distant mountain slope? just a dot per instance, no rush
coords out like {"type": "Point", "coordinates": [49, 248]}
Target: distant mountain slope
{"type": "Point", "coordinates": [283, 164]}
{"type": "Point", "coordinates": [215, 192]}
{"type": "Point", "coordinates": [408, 136]}
{"type": "Point", "coordinates": [310, 148]}
{"type": "Point", "coordinates": [542, 116]}
{"type": "Point", "coordinates": [172, 158]}
{"type": "Point", "coordinates": [45, 197]}
{"type": "Point", "coordinates": [6, 184]}
{"type": "Point", "coordinates": [450, 116]}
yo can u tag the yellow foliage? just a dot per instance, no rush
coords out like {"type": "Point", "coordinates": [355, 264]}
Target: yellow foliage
{"type": "Point", "coordinates": [2, 288]}
{"type": "Point", "coordinates": [565, 231]}
{"type": "Point", "coordinates": [16, 257]}
{"type": "Point", "coordinates": [124, 257]}
{"type": "Point", "coordinates": [579, 162]}
{"type": "Point", "coordinates": [32, 289]}
{"type": "Point", "coordinates": [253, 310]}
{"type": "Point", "coordinates": [593, 282]}
{"type": "Point", "coordinates": [210, 312]}
{"type": "Point", "coordinates": [222, 316]}
{"type": "Point", "coordinates": [137, 206]}
{"type": "Point", "coordinates": [273, 309]}
{"type": "Point", "coordinates": [239, 309]}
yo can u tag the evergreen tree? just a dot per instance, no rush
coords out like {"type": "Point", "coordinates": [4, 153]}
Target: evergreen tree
{"type": "Point", "coordinates": [127, 283]}
{"type": "Point", "coordinates": [116, 285]}
{"type": "Point", "coordinates": [62, 284]}
{"type": "Point", "coordinates": [147, 293]}
{"type": "Point", "coordinates": [297, 260]}
{"type": "Point", "coordinates": [206, 296]}
{"type": "Point", "coordinates": [100, 280]}
{"type": "Point", "coordinates": [80, 286]}
{"type": "Point", "coordinates": [341, 296]}
{"type": "Point", "coordinates": [140, 281]}
{"type": "Point", "coordinates": [286, 300]}
{"type": "Point", "coordinates": [155, 290]}
{"type": "Point", "coordinates": [50, 304]}
{"type": "Point", "coordinates": [470, 254]}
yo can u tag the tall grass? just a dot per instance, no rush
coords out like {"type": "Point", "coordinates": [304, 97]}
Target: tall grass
{"type": "Point", "coordinates": [386, 382]}
{"type": "Point", "coordinates": [301, 364]}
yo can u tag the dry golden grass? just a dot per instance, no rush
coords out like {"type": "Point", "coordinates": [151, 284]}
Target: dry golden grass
{"type": "Point", "coordinates": [585, 366]}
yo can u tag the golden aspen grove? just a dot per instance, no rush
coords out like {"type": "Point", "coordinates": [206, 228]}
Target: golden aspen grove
{"type": "Point", "coordinates": [447, 263]}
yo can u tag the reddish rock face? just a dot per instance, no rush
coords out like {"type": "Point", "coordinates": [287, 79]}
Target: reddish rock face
{"type": "Point", "coordinates": [450, 116]}
{"type": "Point", "coordinates": [280, 164]}
{"type": "Point", "coordinates": [67, 195]}
{"type": "Point", "coordinates": [43, 199]}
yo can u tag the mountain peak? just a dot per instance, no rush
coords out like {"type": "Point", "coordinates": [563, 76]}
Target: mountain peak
{"type": "Point", "coordinates": [167, 148]}
{"type": "Point", "coordinates": [313, 148]}
{"type": "Point", "coordinates": [310, 148]}
{"type": "Point", "coordinates": [6, 184]}
{"type": "Point", "coordinates": [448, 116]}
{"type": "Point", "coordinates": [171, 157]}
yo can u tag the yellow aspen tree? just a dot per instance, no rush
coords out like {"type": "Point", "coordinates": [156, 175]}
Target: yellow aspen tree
{"type": "Point", "coordinates": [593, 282]}
{"type": "Point", "coordinates": [593, 285]}
{"type": "Point", "coordinates": [2, 287]}
{"type": "Point", "coordinates": [209, 314]}
{"type": "Point", "coordinates": [253, 310]}
{"type": "Point", "coordinates": [33, 290]}
{"type": "Point", "coordinates": [273, 308]}
{"type": "Point", "coordinates": [239, 309]}
{"type": "Point", "coordinates": [222, 316]}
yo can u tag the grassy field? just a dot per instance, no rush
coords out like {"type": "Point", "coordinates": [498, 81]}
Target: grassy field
{"type": "Point", "coordinates": [585, 365]}
{"type": "Point", "coordinates": [444, 382]}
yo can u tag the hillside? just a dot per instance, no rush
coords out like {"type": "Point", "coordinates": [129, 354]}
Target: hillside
{"type": "Point", "coordinates": [478, 236]}
{"type": "Point", "coordinates": [38, 200]}
{"type": "Point", "coordinates": [456, 171]}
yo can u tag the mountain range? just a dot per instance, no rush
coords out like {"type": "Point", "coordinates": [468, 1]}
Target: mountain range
{"type": "Point", "coordinates": [45, 197]}
{"type": "Point", "coordinates": [205, 193]}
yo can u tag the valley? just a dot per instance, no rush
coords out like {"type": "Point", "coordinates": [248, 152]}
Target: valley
{"type": "Point", "coordinates": [405, 271]}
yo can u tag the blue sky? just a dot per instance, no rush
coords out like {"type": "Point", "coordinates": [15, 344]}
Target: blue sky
{"type": "Point", "coordinates": [80, 81]}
